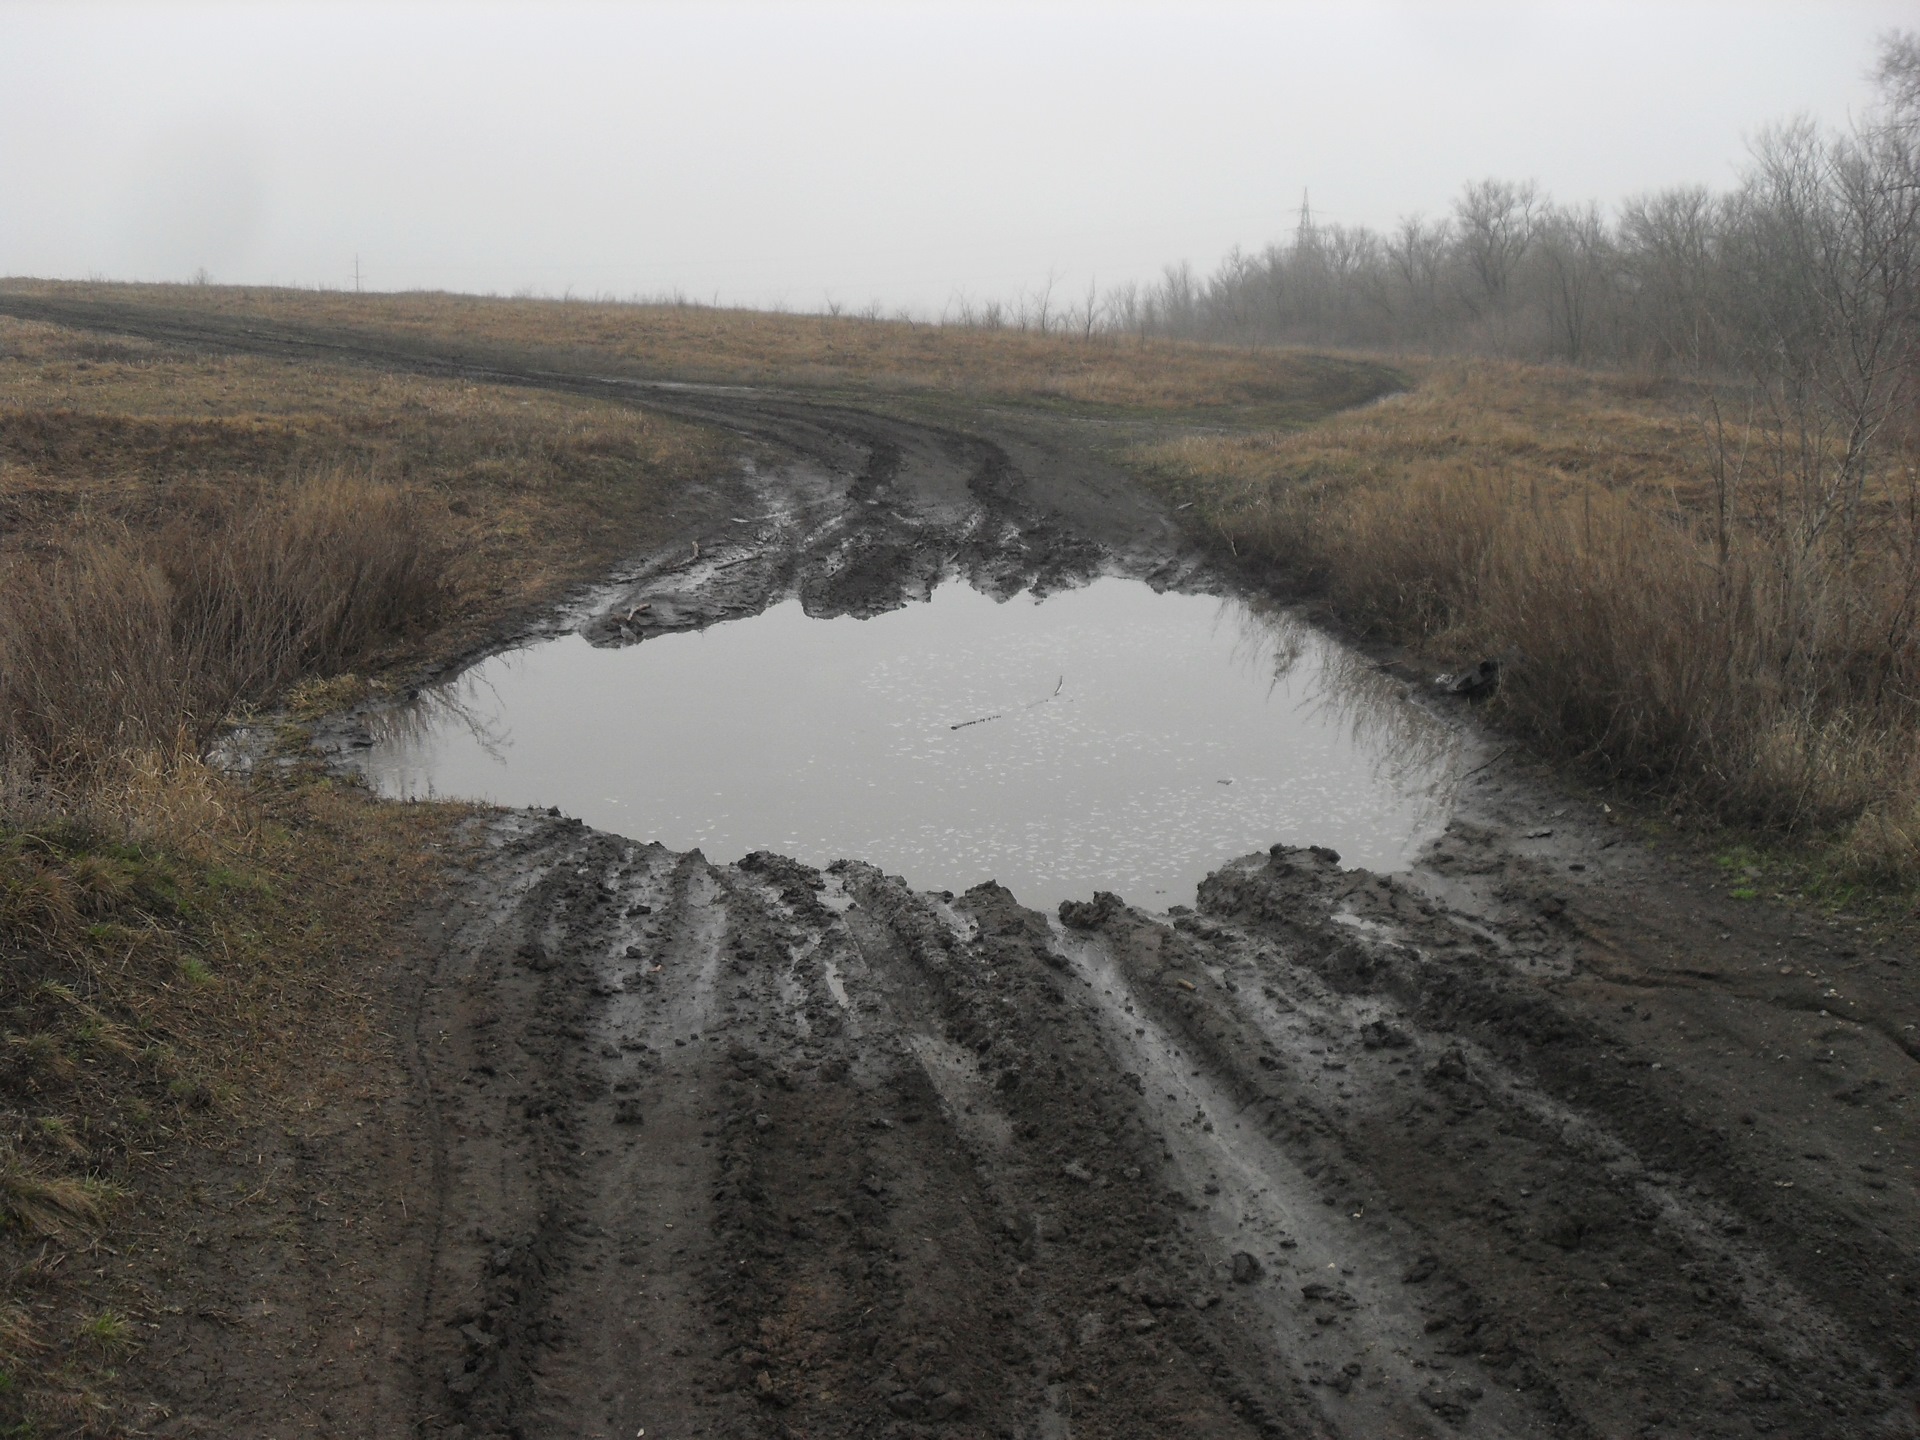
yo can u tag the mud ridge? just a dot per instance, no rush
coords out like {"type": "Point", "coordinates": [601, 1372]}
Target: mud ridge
{"type": "Point", "coordinates": [762, 1150]}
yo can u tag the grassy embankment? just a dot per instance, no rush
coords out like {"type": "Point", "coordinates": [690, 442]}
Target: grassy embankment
{"type": "Point", "coordinates": [1751, 673]}
{"type": "Point", "coordinates": [186, 956]}
{"type": "Point", "coordinates": [185, 536]}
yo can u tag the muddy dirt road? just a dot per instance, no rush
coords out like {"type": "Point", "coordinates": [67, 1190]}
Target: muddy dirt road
{"type": "Point", "coordinates": [1547, 1137]}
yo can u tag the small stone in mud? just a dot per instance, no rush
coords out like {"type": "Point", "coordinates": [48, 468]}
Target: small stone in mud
{"type": "Point", "coordinates": [1449, 1400]}
{"type": "Point", "coordinates": [1379, 1035]}
{"type": "Point", "coordinates": [1246, 1268]}
{"type": "Point", "coordinates": [948, 1405]}
{"type": "Point", "coordinates": [627, 1112]}
{"type": "Point", "coordinates": [1421, 1270]}
{"type": "Point", "coordinates": [1074, 1170]}
{"type": "Point", "coordinates": [769, 1392]}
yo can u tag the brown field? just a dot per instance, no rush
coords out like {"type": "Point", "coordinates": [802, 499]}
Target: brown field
{"type": "Point", "coordinates": [115, 430]}
{"type": "Point", "coordinates": [687, 342]}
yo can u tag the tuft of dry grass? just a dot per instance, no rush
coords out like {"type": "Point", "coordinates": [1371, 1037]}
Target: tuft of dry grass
{"type": "Point", "coordinates": [138, 642]}
{"type": "Point", "coordinates": [47, 1205]}
{"type": "Point", "coordinates": [1565, 523]}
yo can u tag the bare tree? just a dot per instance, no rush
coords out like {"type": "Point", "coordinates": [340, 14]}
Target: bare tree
{"type": "Point", "coordinates": [1042, 312]}
{"type": "Point", "coordinates": [1497, 222]}
{"type": "Point", "coordinates": [1670, 254]}
{"type": "Point", "coordinates": [1417, 255]}
{"type": "Point", "coordinates": [1090, 311]}
{"type": "Point", "coordinates": [1577, 255]}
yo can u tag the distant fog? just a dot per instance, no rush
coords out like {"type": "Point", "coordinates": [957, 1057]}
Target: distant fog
{"type": "Point", "coordinates": [906, 155]}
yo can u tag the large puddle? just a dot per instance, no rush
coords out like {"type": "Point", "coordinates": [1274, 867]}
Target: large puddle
{"type": "Point", "coordinates": [1106, 738]}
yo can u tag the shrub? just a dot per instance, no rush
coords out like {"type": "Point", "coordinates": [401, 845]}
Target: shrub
{"type": "Point", "coordinates": [144, 642]}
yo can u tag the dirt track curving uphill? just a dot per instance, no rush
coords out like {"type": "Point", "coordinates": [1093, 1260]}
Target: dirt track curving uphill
{"type": "Point", "coordinates": [1539, 1139]}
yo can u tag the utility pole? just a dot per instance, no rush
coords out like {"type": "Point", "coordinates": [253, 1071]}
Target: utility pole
{"type": "Point", "coordinates": [356, 272]}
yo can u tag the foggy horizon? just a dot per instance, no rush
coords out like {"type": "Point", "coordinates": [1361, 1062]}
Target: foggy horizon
{"type": "Point", "coordinates": [800, 155]}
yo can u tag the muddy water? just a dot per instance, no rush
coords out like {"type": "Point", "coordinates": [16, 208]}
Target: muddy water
{"type": "Point", "coordinates": [1109, 737]}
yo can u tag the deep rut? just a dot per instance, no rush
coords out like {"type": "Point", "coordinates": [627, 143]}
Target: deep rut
{"type": "Point", "coordinates": [758, 1150]}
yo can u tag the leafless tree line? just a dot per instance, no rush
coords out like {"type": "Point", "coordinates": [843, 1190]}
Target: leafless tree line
{"type": "Point", "coordinates": [1813, 250]}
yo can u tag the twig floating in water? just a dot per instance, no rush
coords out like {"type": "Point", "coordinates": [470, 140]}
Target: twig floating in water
{"type": "Point", "coordinates": [1031, 705]}
{"type": "Point", "coordinates": [1045, 698]}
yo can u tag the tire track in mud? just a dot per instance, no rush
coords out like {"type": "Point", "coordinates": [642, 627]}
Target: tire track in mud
{"type": "Point", "coordinates": [760, 1150]}
{"type": "Point", "coordinates": [774, 1152]}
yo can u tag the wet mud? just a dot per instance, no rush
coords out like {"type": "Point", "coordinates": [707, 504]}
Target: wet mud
{"type": "Point", "coordinates": [769, 1150]}
{"type": "Point", "coordinates": [1546, 1136]}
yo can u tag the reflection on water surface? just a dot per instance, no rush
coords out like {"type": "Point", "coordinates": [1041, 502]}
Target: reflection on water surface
{"type": "Point", "coordinates": [1107, 738]}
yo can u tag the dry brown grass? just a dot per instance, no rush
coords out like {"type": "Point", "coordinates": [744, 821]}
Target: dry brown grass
{"type": "Point", "coordinates": [532, 490]}
{"type": "Point", "coordinates": [698, 343]}
{"type": "Point", "coordinates": [136, 642]}
{"type": "Point", "coordinates": [1565, 521]}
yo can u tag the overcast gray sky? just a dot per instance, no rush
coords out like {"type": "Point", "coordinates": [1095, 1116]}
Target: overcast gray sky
{"type": "Point", "coordinates": [785, 153]}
